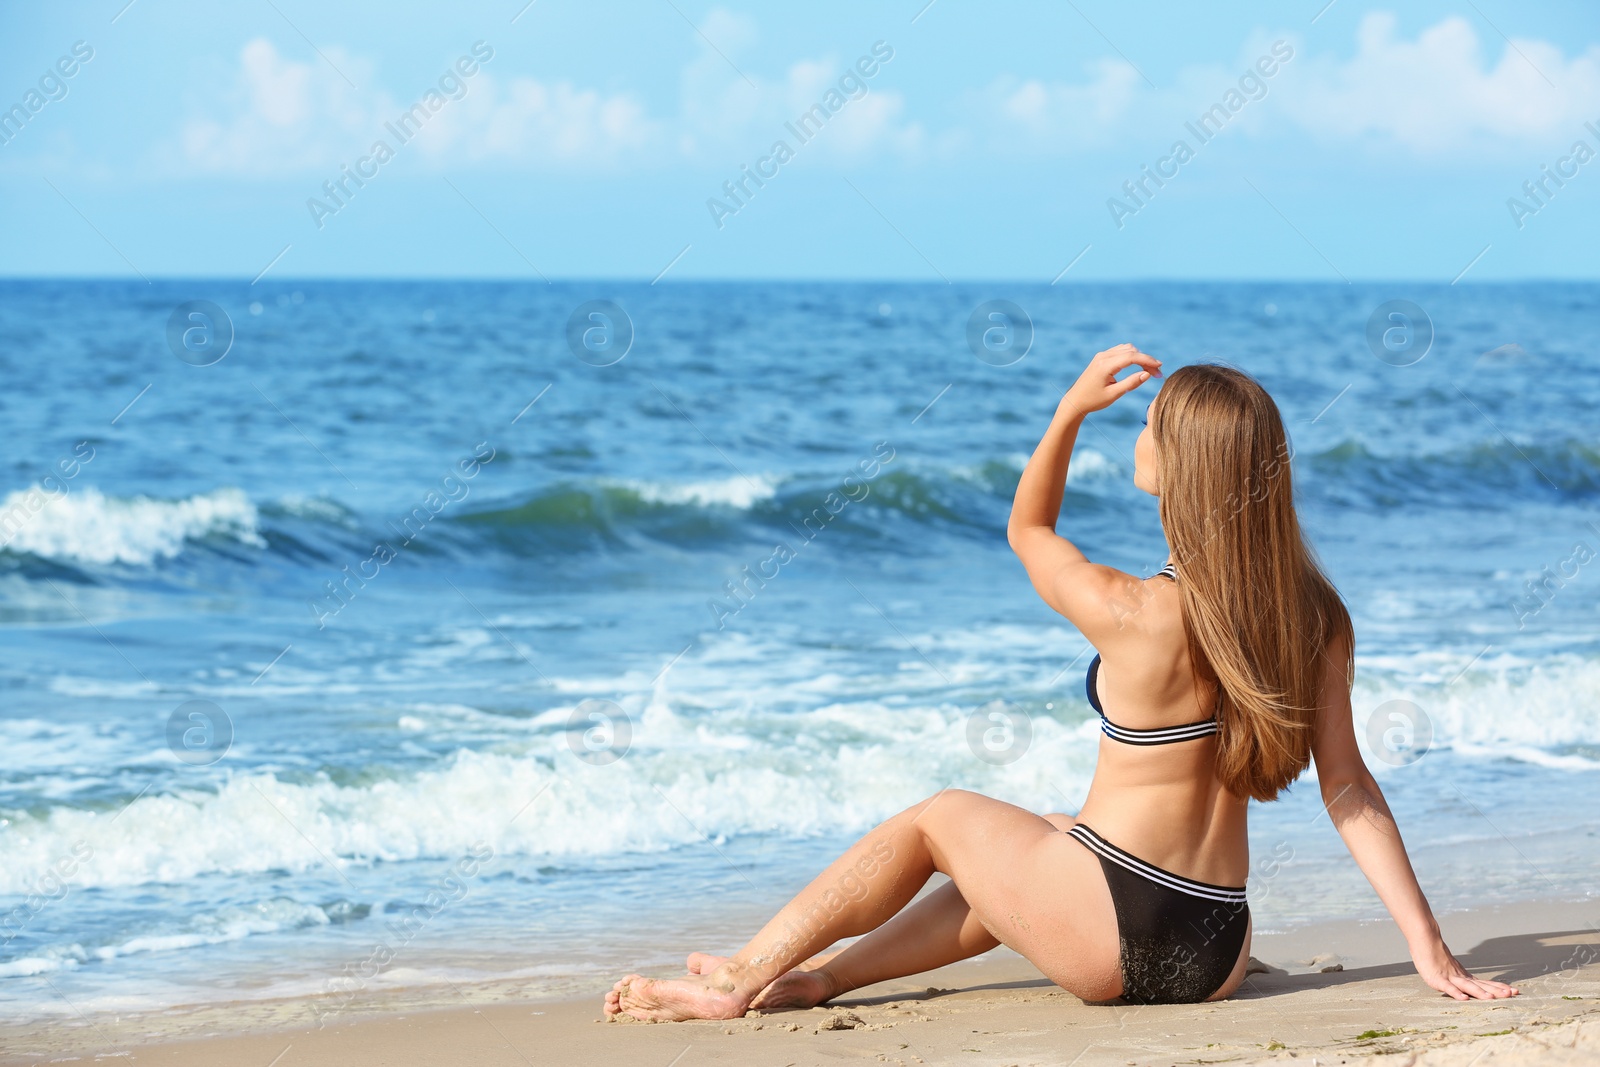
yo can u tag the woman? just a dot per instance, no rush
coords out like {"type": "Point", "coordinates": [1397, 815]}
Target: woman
{"type": "Point", "coordinates": [1218, 680]}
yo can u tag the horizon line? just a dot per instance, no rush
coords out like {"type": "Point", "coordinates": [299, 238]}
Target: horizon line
{"type": "Point", "coordinates": [794, 279]}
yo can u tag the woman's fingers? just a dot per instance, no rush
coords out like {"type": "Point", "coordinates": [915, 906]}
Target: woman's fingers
{"type": "Point", "coordinates": [1097, 387]}
{"type": "Point", "coordinates": [1120, 357]}
{"type": "Point", "coordinates": [1464, 986]}
{"type": "Point", "coordinates": [1492, 990]}
{"type": "Point", "coordinates": [1130, 383]}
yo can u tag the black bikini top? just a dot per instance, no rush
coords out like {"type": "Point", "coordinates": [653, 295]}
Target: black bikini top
{"type": "Point", "coordinates": [1164, 735]}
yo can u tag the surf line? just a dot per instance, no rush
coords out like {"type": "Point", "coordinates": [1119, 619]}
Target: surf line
{"type": "Point", "coordinates": [449, 889]}
{"type": "Point", "coordinates": [854, 489]}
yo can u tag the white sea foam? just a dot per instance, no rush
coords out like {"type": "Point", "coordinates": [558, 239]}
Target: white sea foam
{"type": "Point", "coordinates": [1090, 465]}
{"type": "Point", "coordinates": [745, 736]}
{"type": "Point", "coordinates": [845, 766]}
{"type": "Point", "coordinates": [1503, 708]}
{"type": "Point", "coordinates": [227, 924]}
{"type": "Point", "coordinates": [736, 491]}
{"type": "Point", "coordinates": [1087, 465]}
{"type": "Point", "coordinates": [89, 527]}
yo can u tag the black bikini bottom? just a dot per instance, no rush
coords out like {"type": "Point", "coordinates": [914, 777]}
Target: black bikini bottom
{"type": "Point", "coordinates": [1179, 938]}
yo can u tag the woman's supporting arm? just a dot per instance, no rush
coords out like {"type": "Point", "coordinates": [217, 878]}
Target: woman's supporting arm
{"type": "Point", "coordinates": [1367, 826]}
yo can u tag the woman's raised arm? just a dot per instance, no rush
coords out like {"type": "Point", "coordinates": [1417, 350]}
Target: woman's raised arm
{"type": "Point", "coordinates": [1363, 819]}
{"type": "Point", "coordinates": [1086, 593]}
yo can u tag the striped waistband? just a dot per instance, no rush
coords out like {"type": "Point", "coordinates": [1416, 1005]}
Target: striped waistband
{"type": "Point", "coordinates": [1106, 850]}
{"type": "Point", "coordinates": [1162, 735]}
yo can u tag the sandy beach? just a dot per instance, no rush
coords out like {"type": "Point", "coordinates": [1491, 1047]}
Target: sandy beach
{"type": "Point", "coordinates": [1340, 992]}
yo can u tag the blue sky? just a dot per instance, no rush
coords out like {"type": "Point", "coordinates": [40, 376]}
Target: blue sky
{"type": "Point", "coordinates": [994, 141]}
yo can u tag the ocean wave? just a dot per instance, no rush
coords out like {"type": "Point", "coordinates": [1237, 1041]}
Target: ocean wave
{"type": "Point", "coordinates": [1510, 710]}
{"type": "Point", "coordinates": [687, 777]}
{"type": "Point", "coordinates": [737, 492]}
{"type": "Point", "coordinates": [1455, 477]}
{"type": "Point", "coordinates": [717, 757]}
{"type": "Point", "coordinates": [573, 515]}
{"type": "Point", "coordinates": [234, 923]}
{"type": "Point", "coordinates": [86, 526]}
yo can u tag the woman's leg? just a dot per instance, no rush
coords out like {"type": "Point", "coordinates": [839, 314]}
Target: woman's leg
{"type": "Point", "coordinates": [934, 932]}
{"type": "Point", "coordinates": [1027, 885]}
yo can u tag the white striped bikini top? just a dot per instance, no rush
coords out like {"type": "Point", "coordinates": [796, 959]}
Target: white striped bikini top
{"type": "Point", "coordinates": [1163, 735]}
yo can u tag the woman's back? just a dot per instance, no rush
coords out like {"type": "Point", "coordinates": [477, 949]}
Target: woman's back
{"type": "Point", "coordinates": [1162, 801]}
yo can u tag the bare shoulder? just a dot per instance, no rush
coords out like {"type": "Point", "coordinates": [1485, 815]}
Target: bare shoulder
{"type": "Point", "coordinates": [1148, 607]}
{"type": "Point", "coordinates": [1143, 611]}
{"type": "Point", "coordinates": [1099, 600]}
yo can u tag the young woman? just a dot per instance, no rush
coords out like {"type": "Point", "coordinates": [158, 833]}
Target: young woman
{"type": "Point", "coordinates": [1218, 680]}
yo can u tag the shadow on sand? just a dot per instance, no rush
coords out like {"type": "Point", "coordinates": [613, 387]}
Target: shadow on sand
{"type": "Point", "coordinates": [1511, 959]}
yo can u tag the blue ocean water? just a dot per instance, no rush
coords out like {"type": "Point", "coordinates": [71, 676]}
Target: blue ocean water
{"type": "Point", "coordinates": [478, 701]}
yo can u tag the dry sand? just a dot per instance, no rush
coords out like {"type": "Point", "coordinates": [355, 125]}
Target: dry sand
{"type": "Point", "coordinates": [993, 1011]}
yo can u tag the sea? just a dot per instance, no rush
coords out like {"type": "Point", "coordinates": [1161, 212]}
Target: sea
{"type": "Point", "coordinates": [372, 637]}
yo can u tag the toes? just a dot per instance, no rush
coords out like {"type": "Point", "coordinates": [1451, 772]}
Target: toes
{"type": "Point", "coordinates": [628, 991]}
{"type": "Point", "coordinates": [703, 962]}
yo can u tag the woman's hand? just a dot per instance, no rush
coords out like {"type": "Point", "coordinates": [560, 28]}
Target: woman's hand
{"type": "Point", "coordinates": [1443, 972]}
{"type": "Point", "coordinates": [1097, 386]}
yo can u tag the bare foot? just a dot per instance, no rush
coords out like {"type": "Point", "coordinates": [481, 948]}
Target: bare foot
{"type": "Point", "coordinates": [697, 963]}
{"type": "Point", "coordinates": [794, 990]}
{"type": "Point", "coordinates": [703, 962]}
{"type": "Point", "coordinates": [695, 996]}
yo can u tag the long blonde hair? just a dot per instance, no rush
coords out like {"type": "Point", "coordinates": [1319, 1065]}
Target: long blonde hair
{"type": "Point", "coordinates": [1259, 612]}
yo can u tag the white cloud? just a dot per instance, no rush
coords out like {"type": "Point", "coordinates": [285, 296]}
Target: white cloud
{"type": "Point", "coordinates": [280, 115]}
{"type": "Point", "coordinates": [1440, 92]}
{"type": "Point", "coordinates": [1081, 110]}
{"type": "Point", "coordinates": [283, 115]}
{"type": "Point", "coordinates": [722, 119]}
{"type": "Point", "coordinates": [1112, 108]}
{"type": "Point", "coordinates": [279, 89]}
{"type": "Point", "coordinates": [540, 124]}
